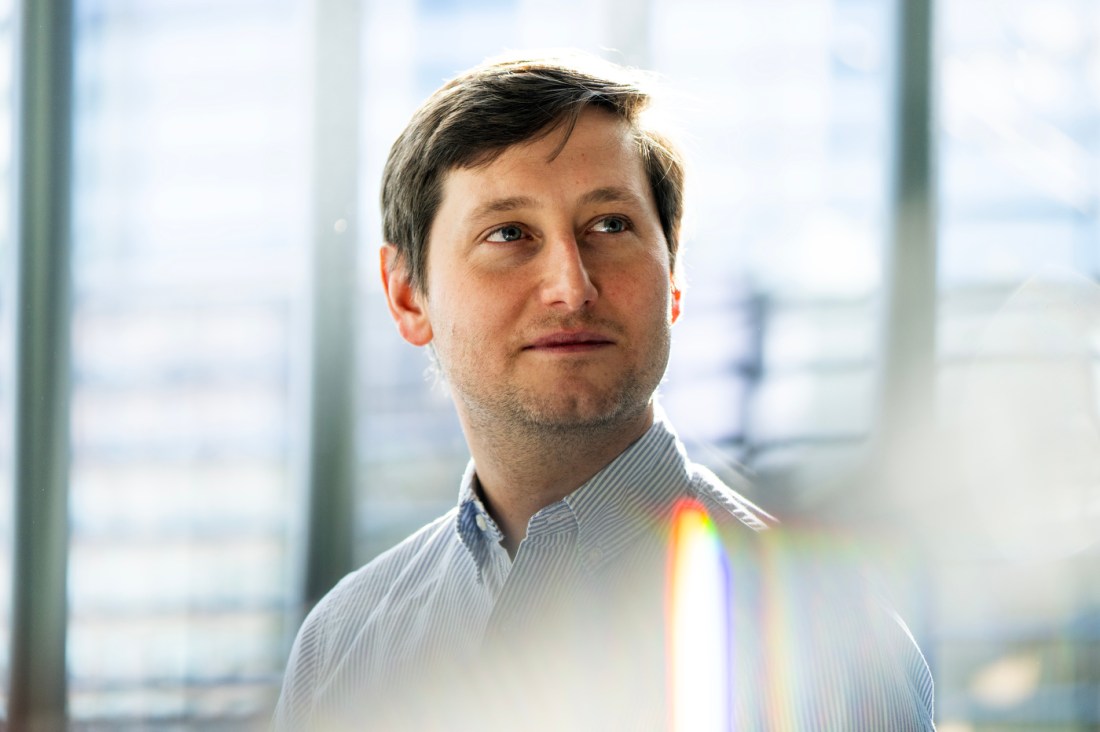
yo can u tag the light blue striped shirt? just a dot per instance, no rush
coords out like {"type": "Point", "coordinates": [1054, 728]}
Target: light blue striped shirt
{"type": "Point", "coordinates": [445, 631]}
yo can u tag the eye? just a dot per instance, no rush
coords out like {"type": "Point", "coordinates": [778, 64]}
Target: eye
{"type": "Point", "coordinates": [505, 234]}
{"type": "Point", "coordinates": [611, 225]}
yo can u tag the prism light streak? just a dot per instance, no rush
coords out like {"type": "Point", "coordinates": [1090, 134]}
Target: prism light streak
{"type": "Point", "coordinates": [779, 630]}
{"type": "Point", "coordinates": [698, 616]}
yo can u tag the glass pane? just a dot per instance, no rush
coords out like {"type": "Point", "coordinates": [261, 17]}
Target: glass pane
{"type": "Point", "coordinates": [191, 202]}
{"type": "Point", "coordinates": [1019, 325]}
{"type": "Point", "coordinates": [784, 105]}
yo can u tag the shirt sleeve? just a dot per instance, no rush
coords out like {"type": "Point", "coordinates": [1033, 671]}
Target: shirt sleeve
{"type": "Point", "coordinates": [917, 674]}
{"type": "Point", "coordinates": [295, 709]}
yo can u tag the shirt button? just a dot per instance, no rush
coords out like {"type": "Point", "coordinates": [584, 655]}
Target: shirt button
{"type": "Point", "coordinates": [481, 522]}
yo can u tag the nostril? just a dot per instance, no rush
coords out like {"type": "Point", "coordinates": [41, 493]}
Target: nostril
{"type": "Point", "coordinates": [573, 288]}
{"type": "Point", "coordinates": [568, 281]}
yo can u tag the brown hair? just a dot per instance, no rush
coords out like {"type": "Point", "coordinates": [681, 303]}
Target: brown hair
{"type": "Point", "coordinates": [474, 117]}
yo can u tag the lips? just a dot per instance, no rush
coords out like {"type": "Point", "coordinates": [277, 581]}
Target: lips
{"type": "Point", "coordinates": [569, 340]}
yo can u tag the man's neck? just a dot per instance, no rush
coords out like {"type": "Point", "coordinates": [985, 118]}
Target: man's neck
{"type": "Point", "coordinates": [523, 470]}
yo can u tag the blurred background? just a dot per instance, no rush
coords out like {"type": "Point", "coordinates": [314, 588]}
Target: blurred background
{"type": "Point", "coordinates": [892, 326]}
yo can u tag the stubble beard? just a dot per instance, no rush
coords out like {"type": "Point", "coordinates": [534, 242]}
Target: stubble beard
{"type": "Point", "coordinates": [574, 416]}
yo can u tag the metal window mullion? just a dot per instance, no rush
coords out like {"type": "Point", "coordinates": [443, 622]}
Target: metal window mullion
{"type": "Point", "coordinates": [907, 384]}
{"type": "Point", "coordinates": [332, 459]}
{"type": "Point", "coordinates": [37, 694]}
{"type": "Point", "coordinates": [909, 357]}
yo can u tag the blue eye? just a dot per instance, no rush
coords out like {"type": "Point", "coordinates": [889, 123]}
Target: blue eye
{"type": "Point", "coordinates": [611, 225]}
{"type": "Point", "coordinates": [506, 234]}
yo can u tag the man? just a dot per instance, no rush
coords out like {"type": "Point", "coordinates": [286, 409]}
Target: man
{"type": "Point", "coordinates": [532, 217]}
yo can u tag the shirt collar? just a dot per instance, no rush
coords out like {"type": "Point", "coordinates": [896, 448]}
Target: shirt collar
{"type": "Point", "coordinates": [476, 528]}
{"type": "Point", "coordinates": [632, 494]}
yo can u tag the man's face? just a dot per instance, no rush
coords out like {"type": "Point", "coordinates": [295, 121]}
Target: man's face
{"type": "Point", "coordinates": [549, 290]}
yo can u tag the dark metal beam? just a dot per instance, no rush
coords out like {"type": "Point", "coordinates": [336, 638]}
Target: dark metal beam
{"type": "Point", "coordinates": [38, 691]}
{"type": "Point", "coordinates": [909, 357]}
{"type": "Point", "coordinates": [898, 491]}
{"type": "Point", "coordinates": [332, 459]}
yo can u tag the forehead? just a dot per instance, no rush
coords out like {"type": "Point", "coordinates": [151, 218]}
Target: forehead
{"type": "Point", "coordinates": [599, 152]}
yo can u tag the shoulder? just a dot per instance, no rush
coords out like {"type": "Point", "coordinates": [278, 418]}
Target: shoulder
{"type": "Point", "coordinates": [336, 621]}
{"type": "Point", "coordinates": [913, 690]}
{"type": "Point", "coordinates": [725, 505]}
{"type": "Point", "coordinates": [854, 646]}
{"type": "Point", "coordinates": [425, 548]}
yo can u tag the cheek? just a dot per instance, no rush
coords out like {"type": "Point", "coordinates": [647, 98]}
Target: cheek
{"type": "Point", "coordinates": [646, 291]}
{"type": "Point", "coordinates": [470, 318]}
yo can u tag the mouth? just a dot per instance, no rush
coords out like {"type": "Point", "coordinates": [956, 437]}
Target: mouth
{"type": "Point", "coordinates": [569, 342]}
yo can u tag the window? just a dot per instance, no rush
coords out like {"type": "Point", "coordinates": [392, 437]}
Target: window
{"type": "Point", "coordinates": [191, 201]}
{"type": "Point", "coordinates": [1018, 322]}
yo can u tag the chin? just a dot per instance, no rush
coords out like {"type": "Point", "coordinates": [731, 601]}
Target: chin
{"type": "Point", "coordinates": [585, 412]}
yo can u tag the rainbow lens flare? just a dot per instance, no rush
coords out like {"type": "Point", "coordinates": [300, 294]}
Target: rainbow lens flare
{"type": "Point", "coordinates": [698, 623]}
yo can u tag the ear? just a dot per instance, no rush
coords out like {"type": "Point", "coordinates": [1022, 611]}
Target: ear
{"type": "Point", "coordinates": [406, 304]}
{"type": "Point", "coordinates": [675, 298]}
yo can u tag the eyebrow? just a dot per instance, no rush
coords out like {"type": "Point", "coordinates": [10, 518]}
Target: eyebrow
{"type": "Point", "coordinates": [501, 205]}
{"type": "Point", "coordinates": [607, 194]}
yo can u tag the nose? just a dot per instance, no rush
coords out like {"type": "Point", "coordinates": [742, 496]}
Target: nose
{"type": "Point", "coordinates": [567, 282]}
